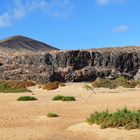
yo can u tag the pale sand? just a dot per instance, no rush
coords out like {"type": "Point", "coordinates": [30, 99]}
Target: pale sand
{"type": "Point", "coordinates": [29, 121]}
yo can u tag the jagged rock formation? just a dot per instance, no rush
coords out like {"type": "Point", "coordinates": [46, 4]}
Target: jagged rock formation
{"type": "Point", "coordinates": [19, 45]}
{"type": "Point", "coordinates": [73, 66]}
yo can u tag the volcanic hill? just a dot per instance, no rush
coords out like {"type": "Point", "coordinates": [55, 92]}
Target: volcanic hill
{"type": "Point", "coordinates": [20, 44]}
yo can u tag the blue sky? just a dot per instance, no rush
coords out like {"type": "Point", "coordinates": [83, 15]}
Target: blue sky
{"type": "Point", "coordinates": [73, 24]}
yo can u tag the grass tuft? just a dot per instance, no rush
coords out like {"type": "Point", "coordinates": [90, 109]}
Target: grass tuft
{"type": "Point", "coordinates": [53, 115]}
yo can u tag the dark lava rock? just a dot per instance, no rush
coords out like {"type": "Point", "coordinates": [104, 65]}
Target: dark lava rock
{"type": "Point", "coordinates": [73, 66]}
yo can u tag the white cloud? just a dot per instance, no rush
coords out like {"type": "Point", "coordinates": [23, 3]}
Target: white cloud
{"type": "Point", "coordinates": [5, 20]}
{"type": "Point", "coordinates": [54, 8]}
{"type": "Point", "coordinates": [121, 28]}
{"type": "Point", "coordinates": [105, 2]}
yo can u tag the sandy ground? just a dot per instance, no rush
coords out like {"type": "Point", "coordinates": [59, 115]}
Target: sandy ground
{"type": "Point", "coordinates": [29, 121]}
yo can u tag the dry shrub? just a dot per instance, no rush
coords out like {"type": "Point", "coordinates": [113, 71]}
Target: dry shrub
{"type": "Point", "coordinates": [18, 84]}
{"type": "Point", "coordinates": [130, 84]}
{"type": "Point", "coordinates": [2, 81]}
{"type": "Point", "coordinates": [120, 81]}
{"type": "Point", "coordinates": [104, 83]}
{"type": "Point", "coordinates": [4, 88]}
{"type": "Point", "coordinates": [62, 84]}
{"type": "Point", "coordinates": [29, 83]}
{"type": "Point", "coordinates": [96, 84]}
{"type": "Point", "coordinates": [138, 84]}
{"type": "Point", "coordinates": [40, 86]}
{"type": "Point", "coordinates": [51, 86]}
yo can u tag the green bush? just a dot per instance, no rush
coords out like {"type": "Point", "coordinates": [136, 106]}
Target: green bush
{"type": "Point", "coordinates": [63, 98]}
{"type": "Point", "coordinates": [122, 118]}
{"type": "Point", "coordinates": [58, 97]}
{"type": "Point", "coordinates": [4, 88]}
{"type": "Point", "coordinates": [26, 98]}
{"type": "Point", "coordinates": [68, 98]}
{"type": "Point", "coordinates": [50, 114]}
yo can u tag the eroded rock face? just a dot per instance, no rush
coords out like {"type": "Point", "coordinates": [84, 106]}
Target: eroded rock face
{"type": "Point", "coordinates": [137, 76]}
{"type": "Point", "coordinates": [73, 66]}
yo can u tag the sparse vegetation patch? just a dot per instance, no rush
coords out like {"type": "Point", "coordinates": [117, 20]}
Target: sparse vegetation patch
{"type": "Point", "coordinates": [112, 84]}
{"type": "Point", "coordinates": [104, 83]}
{"type": "Point", "coordinates": [122, 118]}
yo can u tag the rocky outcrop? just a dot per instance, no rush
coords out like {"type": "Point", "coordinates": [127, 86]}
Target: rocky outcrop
{"type": "Point", "coordinates": [74, 66]}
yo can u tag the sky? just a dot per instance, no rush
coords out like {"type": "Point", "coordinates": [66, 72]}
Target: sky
{"type": "Point", "coordinates": [73, 24]}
